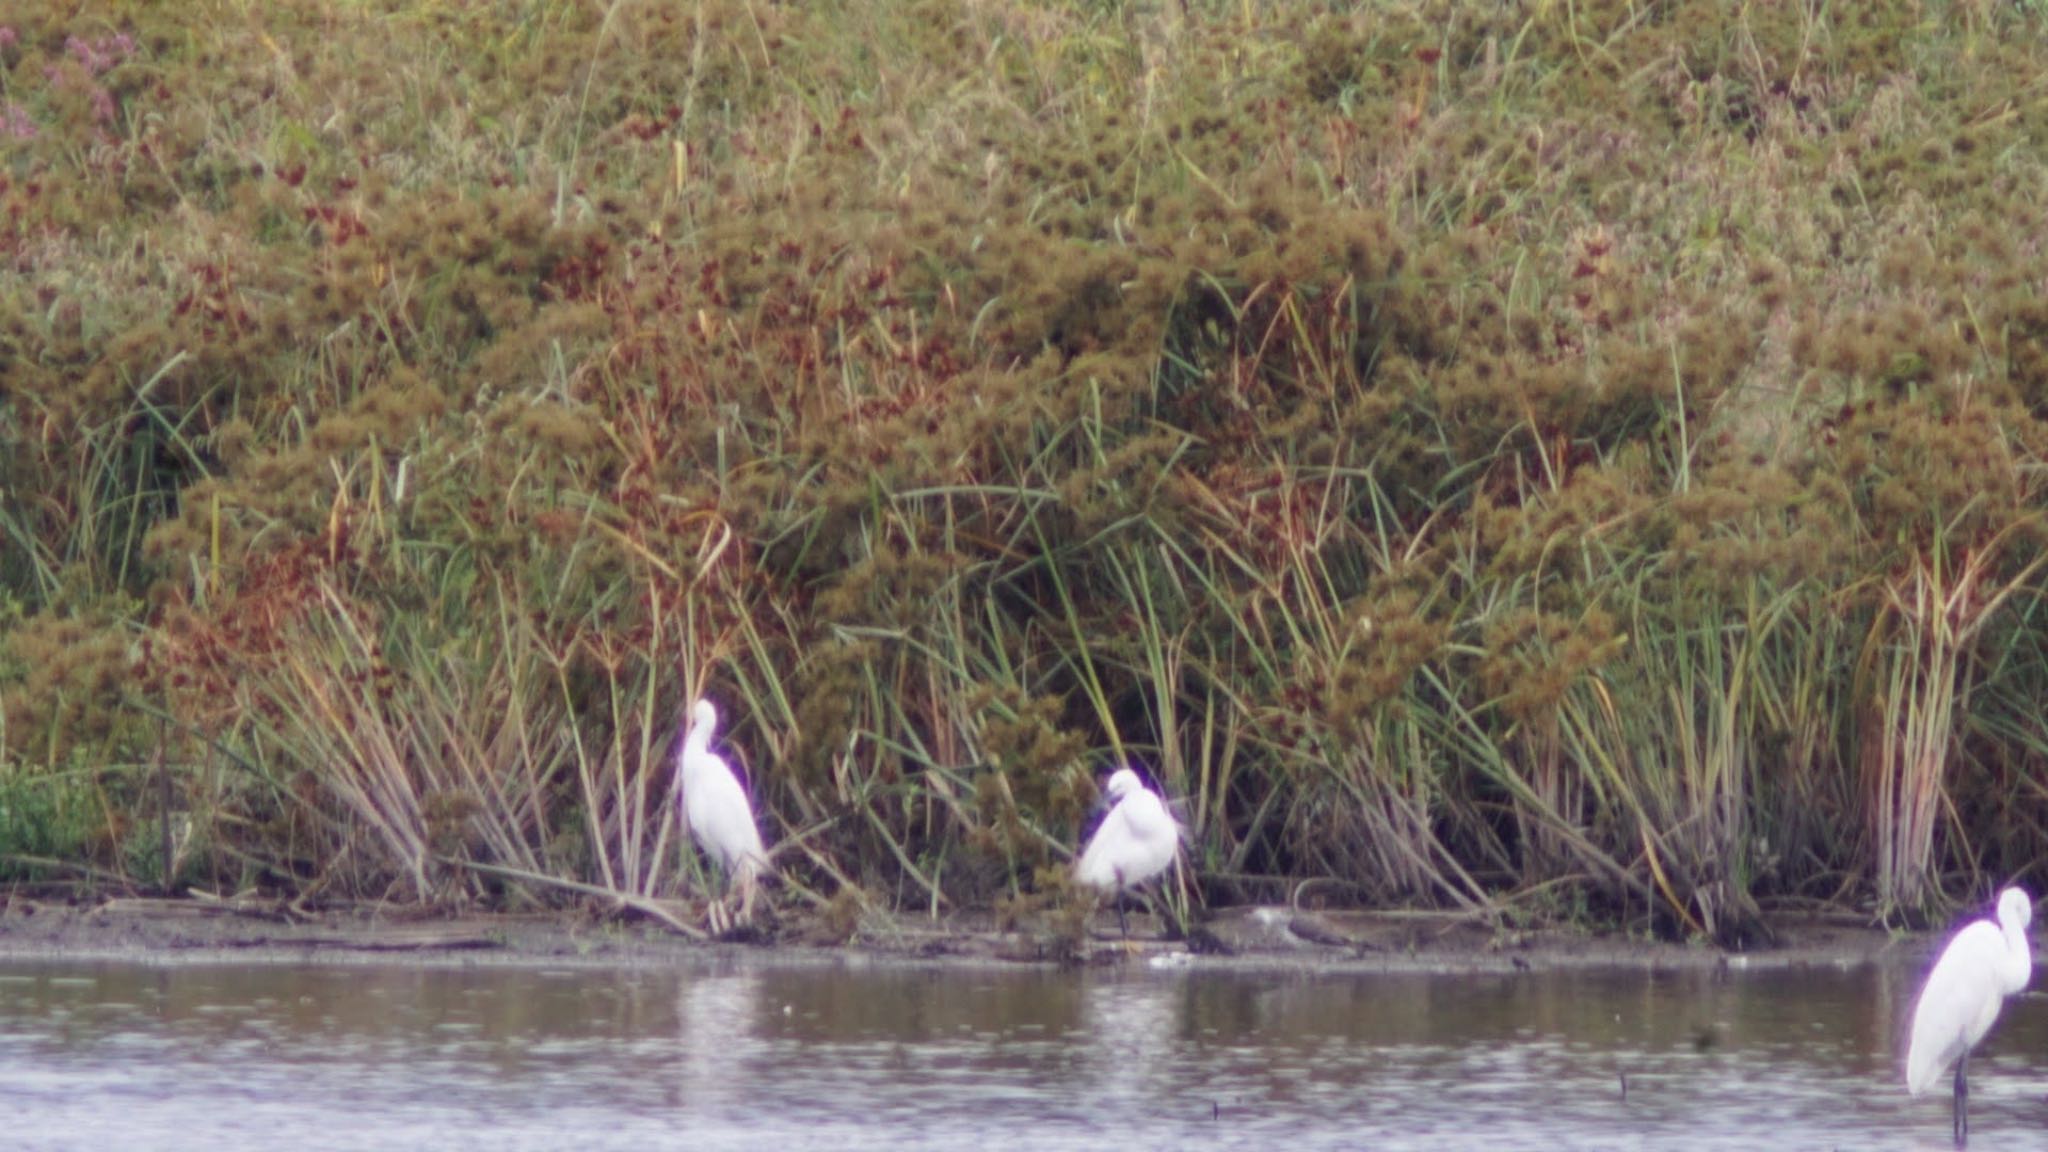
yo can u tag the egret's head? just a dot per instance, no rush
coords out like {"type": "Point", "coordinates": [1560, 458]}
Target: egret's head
{"type": "Point", "coordinates": [703, 718]}
{"type": "Point", "coordinates": [2014, 908]}
{"type": "Point", "coordinates": [1122, 783]}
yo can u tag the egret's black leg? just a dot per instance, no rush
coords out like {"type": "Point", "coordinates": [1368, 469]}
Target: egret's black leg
{"type": "Point", "coordinates": [1156, 904]}
{"type": "Point", "coordinates": [1122, 926]}
{"type": "Point", "coordinates": [1962, 1118]}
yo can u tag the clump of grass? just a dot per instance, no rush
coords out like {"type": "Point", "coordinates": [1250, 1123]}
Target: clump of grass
{"type": "Point", "coordinates": [1578, 456]}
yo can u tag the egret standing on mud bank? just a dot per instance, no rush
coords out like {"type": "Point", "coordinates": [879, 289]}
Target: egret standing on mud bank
{"type": "Point", "coordinates": [1983, 965]}
{"type": "Point", "coordinates": [720, 818]}
{"type": "Point", "coordinates": [1137, 840]}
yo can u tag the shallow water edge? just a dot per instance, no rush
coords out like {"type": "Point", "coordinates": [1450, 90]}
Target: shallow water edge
{"type": "Point", "coordinates": [737, 1048]}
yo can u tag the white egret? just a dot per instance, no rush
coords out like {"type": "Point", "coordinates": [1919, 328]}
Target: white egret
{"type": "Point", "coordinates": [1984, 964]}
{"type": "Point", "coordinates": [721, 820]}
{"type": "Point", "coordinates": [1137, 840]}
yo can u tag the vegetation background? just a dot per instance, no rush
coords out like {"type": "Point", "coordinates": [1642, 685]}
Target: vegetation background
{"type": "Point", "coordinates": [1558, 458]}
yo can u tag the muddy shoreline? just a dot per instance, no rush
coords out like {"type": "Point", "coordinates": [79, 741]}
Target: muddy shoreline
{"type": "Point", "coordinates": [1244, 939]}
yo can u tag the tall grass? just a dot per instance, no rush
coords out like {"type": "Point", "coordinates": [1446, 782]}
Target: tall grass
{"type": "Point", "coordinates": [1542, 460]}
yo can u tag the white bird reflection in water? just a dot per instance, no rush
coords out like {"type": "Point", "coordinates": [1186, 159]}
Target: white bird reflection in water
{"type": "Point", "coordinates": [718, 1015]}
{"type": "Point", "coordinates": [1133, 1024]}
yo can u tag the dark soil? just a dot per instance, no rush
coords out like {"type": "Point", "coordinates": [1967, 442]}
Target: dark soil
{"type": "Point", "coordinates": [1259, 937]}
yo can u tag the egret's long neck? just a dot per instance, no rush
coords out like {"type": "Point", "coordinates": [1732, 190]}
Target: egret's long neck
{"type": "Point", "coordinates": [2019, 956]}
{"type": "Point", "coordinates": [695, 744]}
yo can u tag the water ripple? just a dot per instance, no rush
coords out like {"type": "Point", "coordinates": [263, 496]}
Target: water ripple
{"type": "Point", "coordinates": [735, 1057]}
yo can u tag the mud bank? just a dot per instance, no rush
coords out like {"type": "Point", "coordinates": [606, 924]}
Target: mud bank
{"type": "Point", "coordinates": [204, 931]}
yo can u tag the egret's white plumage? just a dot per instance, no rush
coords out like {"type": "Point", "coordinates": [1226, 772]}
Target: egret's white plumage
{"type": "Point", "coordinates": [1137, 840]}
{"type": "Point", "coordinates": [715, 807]}
{"type": "Point", "coordinates": [1984, 964]}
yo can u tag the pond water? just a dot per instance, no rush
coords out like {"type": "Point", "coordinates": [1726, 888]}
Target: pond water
{"type": "Point", "coordinates": [740, 1054]}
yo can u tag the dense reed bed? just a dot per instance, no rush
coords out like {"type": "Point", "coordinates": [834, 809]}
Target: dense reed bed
{"type": "Point", "coordinates": [1551, 459]}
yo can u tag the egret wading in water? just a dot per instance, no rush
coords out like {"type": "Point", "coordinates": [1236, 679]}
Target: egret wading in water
{"type": "Point", "coordinates": [721, 820]}
{"type": "Point", "coordinates": [1137, 841]}
{"type": "Point", "coordinates": [1984, 964]}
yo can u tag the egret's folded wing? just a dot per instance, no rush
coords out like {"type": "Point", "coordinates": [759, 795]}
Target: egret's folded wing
{"type": "Point", "coordinates": [1959, 991]}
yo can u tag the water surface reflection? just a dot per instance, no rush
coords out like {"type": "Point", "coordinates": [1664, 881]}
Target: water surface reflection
{"type": "Point", "coordinates": [734, 1054]}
